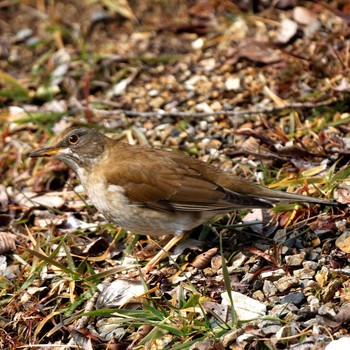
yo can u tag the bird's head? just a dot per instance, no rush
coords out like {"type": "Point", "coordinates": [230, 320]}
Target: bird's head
{"type": "Point", "coordinates": [77, 147]}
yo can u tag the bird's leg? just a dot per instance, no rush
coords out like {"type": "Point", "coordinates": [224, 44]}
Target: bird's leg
{"type": "Point", "coordinates": [152, 248]}
{"type": "Point", "coordinates": [162, 253]}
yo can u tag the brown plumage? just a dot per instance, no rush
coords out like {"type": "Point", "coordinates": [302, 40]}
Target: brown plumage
{"type": "Point", "coordinates": [154, 191]}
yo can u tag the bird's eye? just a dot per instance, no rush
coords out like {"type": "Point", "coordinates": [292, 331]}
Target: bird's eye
{"type": "Point", "coordinates": [73, 139]}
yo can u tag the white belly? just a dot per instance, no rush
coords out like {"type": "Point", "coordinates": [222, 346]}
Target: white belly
{"type": "Point", "coordinates": [115, 206]}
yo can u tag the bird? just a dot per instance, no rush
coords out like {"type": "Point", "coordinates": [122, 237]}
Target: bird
{"type": "Point", "coordinates": [154, 191]}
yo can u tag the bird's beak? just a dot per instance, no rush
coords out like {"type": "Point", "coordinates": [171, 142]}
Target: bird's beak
{"type": "Point", "coordinates": [46, 152]}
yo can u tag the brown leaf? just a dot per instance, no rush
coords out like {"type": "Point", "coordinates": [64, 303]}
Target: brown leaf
{"type": "Point", "coordinates": [255, 51]}
{"type": "Point", "coordinates": [337, 320]}
{"type": "Point", "coordinates": [264, 255]}
{"type": "Point", "coordinates": [323, 224]}
{"type": "Point", "coordinates": [343, 315]}
{"type": "Point", "coordinates": [203, 260]}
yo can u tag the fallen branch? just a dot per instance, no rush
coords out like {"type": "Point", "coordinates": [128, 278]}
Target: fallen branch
{"type": "Point", "coordinates": [177, 114]}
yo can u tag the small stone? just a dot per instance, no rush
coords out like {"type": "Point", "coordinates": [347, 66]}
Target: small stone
{"type": "Point", "coordinates": [233, 84]}
{"type": "Point", "coordinates": [330, 290]}
{"type": "Point", "coordinates": [286, 282]}
{"type": "Point", "coordinates": [203, 107]}
{"type": "Point", "coordinates": [314, 303]}
{"type": "Point", "coordinates": [248, 278]}
{"type": "Point", "coordinates": [246, 337]}
{"type": "Point", "coordinates": [313, 256]}
{"type": "Point", "coordinates": [208, 64]}
{"type": "Point", "coordinates": [312, 28]}
{"type": "Point", "coordinates": [342, 343]}
{"type": "Point", "coordinates": [296, 298]}
{"type": "Point", "coordinates": [273, 275]}
{"type": "Point", "coordinates": [313, 265]}
{"type": "Point", "coordinates": [279, 310]}
{"type": "Point", "coordinates": [216, 106]}
{"type": "Point", "coordinates": [270, 330]}
{"type": "Point", "coordinates": [288, 29]}
{"type": "Point", "coordinates": [343, 242]}
{"type": "Point", "coordinates": [303, 15]}
{"type": "Point", "coordinates": [280, 236]}
{"type": "Point", "coordinates": [246, 308]}
{"type": "Point", "coordinates": [304, 273]}
{"type": "Point", "coordinates": [209, 272]}
{"type": "Point", "coordinates": [238, 260]}
{"type": "Point", "coordinates": [197, 44]}
{"type": "Point", "coordinates": [203, 125]}
{"type": "Point", "coordinates": [269, 288]}
{"type": "Point", "coordinates": [304, 283]}
{"type": "Point", "coordinates": [214, 144]}
{"type": "Point", "coordinates": [23, 34]}
{"type": "Point", "coordinates": [286, 331]}
{"type": "Point", "coordinates": [153, 93]}
{"type": "Point", "coordinates": [295, 260]}
{"type": "Point", "coordinates": [259, 295]}
{"type": "Point", "coordinates": [228, 338]}
{"type": "Point", "coordinates": [216, 263]}
{"type": "Point", "coordinates": [156, 102]}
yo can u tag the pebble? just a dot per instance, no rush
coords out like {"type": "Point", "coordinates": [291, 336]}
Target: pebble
{"type": "Point", "coordinates": [269, 288]}
{"type": "Point", "coordinates": [273, 275]}
{"type": "Point", "coordinates": [314, 303]}
{"type": "Point", "coordinates": [271, 330]}
{"type": "Point", "coordinates": [233, 84]}
{"type": "Point", "coordinates": [238, 260]}
{"type": "Point", "coordinates": [295, 260]}
{"type": "Point", "coordinates": [339, 344]}
{"type": "Point", "coordinates": [313, 265]}
{"type": "Point", "coordinates": [304, 273]}
{"type": "Point", "coordinates": [287, 331]}
{"type": "Point", "coordinates": [296, 298]}
{"type": "Point", "coordinates": [286, 282]}
{"type": "Point", "coordinates": [246, 308]}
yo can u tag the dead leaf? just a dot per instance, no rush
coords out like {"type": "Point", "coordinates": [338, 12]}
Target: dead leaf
{"type": "Point", "coordinates": [334, 321]}
{"type": "Point", "coordinates": [323, 224]}
{"type": "Point", "coordinates": [219, 311]}
{"type": "Point", "coordinates": [191, 244]}
{"type": "Point", "coordinates": [255, 51]}
{"type": "Point", "coordinates": [203, 260]}
{"type": "Point", "coordinates": [246, 308]}
{"type": "Point", "coordinates": [119, 293]}
{"type": "Point", "coordinates": [82, 340]}
{"type": "Point", "coordinates": [32, 199]}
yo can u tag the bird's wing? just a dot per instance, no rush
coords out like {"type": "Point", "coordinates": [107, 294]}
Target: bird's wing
{"type": "Point", "coordinates": [170, 185]}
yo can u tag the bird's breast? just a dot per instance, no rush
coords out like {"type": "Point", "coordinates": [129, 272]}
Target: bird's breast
{"type": "Point", "coordinates": [112, 202]}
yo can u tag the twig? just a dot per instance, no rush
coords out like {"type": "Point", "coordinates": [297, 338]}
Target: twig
{"type": "Point", "coordinates": [177, 114]}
